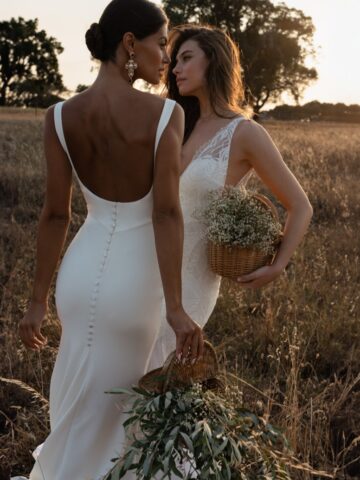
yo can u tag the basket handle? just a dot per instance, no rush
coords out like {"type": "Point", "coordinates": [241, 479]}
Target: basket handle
{"type": "Point", "coordinates": [267, 202]}
{"type": "Point", "coordinates": [170, 362]}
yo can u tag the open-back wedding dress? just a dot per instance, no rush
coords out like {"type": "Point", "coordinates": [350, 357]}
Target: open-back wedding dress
{"type": "Point", "coordinates": [108, 297]}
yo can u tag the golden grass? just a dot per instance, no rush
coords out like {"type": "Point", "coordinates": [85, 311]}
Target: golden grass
{"type": "Point", "coordinates": [293, 346]}
{"type": "Point", "coordinates": [18, 113]}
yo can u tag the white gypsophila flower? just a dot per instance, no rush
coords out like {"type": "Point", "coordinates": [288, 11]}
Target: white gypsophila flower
{"type": "Point", "coordinates": [235, 217]}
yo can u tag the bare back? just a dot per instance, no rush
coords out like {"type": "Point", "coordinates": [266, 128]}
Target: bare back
{"type": "Point", "coordinates": [111, 144]}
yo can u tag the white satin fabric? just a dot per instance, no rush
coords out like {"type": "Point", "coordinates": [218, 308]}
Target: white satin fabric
{"type": "Point", "coordinates": [108, 298]}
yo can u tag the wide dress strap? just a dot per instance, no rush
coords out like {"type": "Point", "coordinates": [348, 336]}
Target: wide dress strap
{"type": "Point", "coordinates": [164, 120]}
{"type": "Point", "coordinates": [60, 133]}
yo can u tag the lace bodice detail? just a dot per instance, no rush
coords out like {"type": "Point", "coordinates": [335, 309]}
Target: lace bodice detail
{"type": "Point", "coordinates": [207, 171]}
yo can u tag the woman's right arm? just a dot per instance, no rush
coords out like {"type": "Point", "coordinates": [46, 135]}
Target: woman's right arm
{"type": "Point", "coordinates": [169, 231]}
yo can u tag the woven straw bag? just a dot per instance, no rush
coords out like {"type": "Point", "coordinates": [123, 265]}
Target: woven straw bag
{"type": "Point", "coordinates": [233, 261]}
{"type": "Point", "coordinates": [176, 375]}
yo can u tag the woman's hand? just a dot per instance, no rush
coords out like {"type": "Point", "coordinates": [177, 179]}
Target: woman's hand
{"type": "Point", "coordinates": [189, 336]}
{"type": "Point", "coordinates": [30, 325]}
{"type": "Point", "coordinates": [260, 277]}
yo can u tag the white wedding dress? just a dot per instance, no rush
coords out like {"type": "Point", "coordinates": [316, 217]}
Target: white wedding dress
{"type": "Point", "coordinates": [110, 319]}
{"type": "Point", "coordinates": [110, 339]}
{"type": "Point", "coordinates": [200, 286]}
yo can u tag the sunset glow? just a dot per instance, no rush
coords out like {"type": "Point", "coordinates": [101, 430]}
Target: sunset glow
{"type": "Point", "coordinates": [337, 39]}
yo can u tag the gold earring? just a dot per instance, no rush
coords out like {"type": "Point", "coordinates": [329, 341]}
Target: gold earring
{"type": "Point", "coordinates": [131, 66]}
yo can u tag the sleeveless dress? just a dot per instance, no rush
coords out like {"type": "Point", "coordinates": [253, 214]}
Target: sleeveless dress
{"type": "Point", "coordinates": [110, 319]}
{"type": "Point", "coordinates": [200, 286]}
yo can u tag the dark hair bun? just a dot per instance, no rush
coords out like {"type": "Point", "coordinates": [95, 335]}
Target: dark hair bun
{"type": "Point", "coordinates": [141, 17]}
{"type": "Point", "coordinates": [95, 41]}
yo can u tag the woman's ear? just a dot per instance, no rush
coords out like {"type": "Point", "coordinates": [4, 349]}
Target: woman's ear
{"type": "Point", "coordinates": [129, 42]}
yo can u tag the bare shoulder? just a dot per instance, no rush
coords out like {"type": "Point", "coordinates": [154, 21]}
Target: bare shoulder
{"type": "Point", "coordinates": [158, 101]}
{"type": "Point", "coordinates": [177, 119]}
{"type": "Point", "coordinates": [49, 121]}
{"type": "Point", "coordinates": [148, 98]}
{"type": "Point", "coordinates": [248, 129]}
{"type": "Point", "coordinates": [49, 114]}
{"type": "Point", "coordinates": [172, 138]}
{"type": "Point", "coordinates": [250, 136]}
{"type": "Point", "coordinates": [178, 115]}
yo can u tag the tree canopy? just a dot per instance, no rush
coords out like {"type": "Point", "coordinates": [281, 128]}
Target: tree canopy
{"type": "Point", "coordinates": [274, 41]}
{"type": "Point", "coordinates": [29, 69]}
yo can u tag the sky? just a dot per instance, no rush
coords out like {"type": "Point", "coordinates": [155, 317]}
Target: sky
{"type": "Point", "coordinates": [337, 40]}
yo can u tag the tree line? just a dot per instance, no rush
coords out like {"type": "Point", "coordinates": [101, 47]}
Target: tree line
{"type": "Point", "coordinates": [274, 41]}
{"type": "Point", "coordinates": [316, 111]}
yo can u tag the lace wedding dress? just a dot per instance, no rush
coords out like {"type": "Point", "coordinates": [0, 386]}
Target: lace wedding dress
{"type": "Point", "coordinates": [200, 286]}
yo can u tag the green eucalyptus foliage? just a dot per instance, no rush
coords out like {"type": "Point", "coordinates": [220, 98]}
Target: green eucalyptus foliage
{"type": "Point", "coordinates": [212, 432]}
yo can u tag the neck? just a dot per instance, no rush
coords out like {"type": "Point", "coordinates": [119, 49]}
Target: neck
{"type": "Point", "coordinates": [206, 110]}
{"type": "Point", "coordinates": [111, 79]}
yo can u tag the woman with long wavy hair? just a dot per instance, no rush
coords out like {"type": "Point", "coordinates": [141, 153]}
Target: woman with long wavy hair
{"type": "Point", "coordinates": [222, 146]}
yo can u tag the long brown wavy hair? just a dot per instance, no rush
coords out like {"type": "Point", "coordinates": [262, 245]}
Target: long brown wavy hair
{"type": "Point", "coordinates": [223, 75]}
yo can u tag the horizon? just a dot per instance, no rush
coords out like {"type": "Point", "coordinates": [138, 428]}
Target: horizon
{"type": "Point", "coordinates": [338, 72]}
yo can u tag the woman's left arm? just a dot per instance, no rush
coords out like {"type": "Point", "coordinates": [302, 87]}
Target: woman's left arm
{"type": "Point", "coordinates": [256, 146]}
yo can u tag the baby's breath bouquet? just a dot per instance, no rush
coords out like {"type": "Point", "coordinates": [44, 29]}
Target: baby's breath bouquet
{"type": "Point", "coordinates": [235, 216]}
{"type": "Point", "coordinates": [242, 229]}
{"type": "Point", "coordinates": [198, 433]}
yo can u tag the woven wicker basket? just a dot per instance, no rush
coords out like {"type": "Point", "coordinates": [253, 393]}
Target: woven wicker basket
{"type": "Point", "coordinates": [176, 375]}
{"type": "Point", "coordinates": [234, 261]}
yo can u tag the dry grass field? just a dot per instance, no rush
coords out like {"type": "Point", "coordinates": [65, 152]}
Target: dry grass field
{"type": "Point", "coordinates": [293, 346]}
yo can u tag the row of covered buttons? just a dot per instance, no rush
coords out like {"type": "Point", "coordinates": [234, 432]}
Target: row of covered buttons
{"type": "Point", "coordinates": [96, 289]}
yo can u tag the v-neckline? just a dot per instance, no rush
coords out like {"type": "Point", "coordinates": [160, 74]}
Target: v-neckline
{"type": "Point", "coordinates": [205, 144]}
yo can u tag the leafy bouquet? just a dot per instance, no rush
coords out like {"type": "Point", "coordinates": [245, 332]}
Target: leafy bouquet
{"type": "Point", "coordinates": [190, 422]}
{"type": "Point", "coordinates": [199, 433]}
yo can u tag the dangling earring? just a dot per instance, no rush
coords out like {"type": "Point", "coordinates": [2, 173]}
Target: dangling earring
{"type": "Point", "coordinates": [131, 66]}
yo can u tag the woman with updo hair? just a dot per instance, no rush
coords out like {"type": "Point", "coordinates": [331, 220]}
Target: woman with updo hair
{"type": "Point", "coordinates": [123, 147]}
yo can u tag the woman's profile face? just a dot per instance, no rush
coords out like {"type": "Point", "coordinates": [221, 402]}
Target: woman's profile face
{"type": "Point", "coordinates": [190, 68]}
{"type": "Point", "coordinates": [151, 56]}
